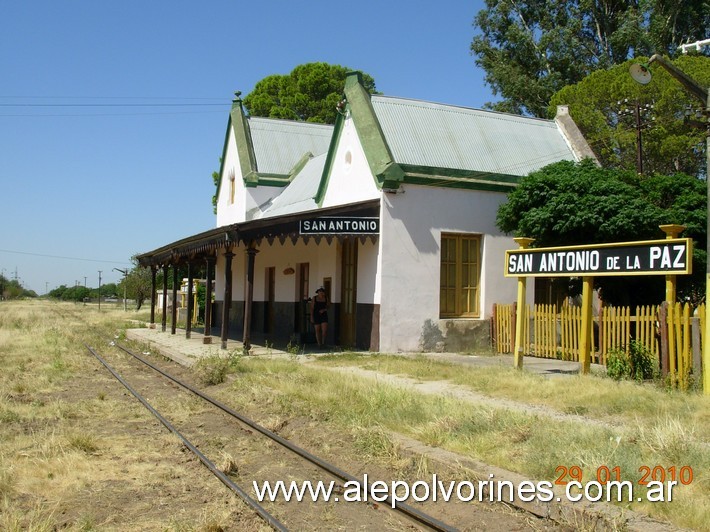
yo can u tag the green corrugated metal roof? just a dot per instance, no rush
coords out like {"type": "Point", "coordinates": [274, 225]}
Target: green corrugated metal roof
{"type": "Point", "coordinates": [433, 135]}
{"type": "Point", "coordinates": [300, 193]}
{"type": "Point", "coordinates": [279, 144]}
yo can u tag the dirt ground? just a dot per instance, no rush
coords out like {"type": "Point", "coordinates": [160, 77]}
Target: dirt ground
{"type": "Point", "coordinates": [78, 452]}
{"type": "Point", "coordinates": [251, 457]}
{"type": "Point", "coordinates": [135, 475]}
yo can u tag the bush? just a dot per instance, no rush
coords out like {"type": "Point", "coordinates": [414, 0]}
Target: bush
{"type": "Point", "coordinates": [211, 370]}
{"type": "Point", "coordinates": [618, 365]}
{"type": "Point", "coordinates": [638, 364]}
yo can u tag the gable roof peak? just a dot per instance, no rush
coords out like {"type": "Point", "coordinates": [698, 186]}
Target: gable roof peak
{"type": "Point", "coordinates": [354, 77]}
{"type": "Point", "coordinates": [237, 100]}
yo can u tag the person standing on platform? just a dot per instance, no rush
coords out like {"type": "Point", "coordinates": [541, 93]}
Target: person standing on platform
{"type": "Point", "coordinates": [319, 316]}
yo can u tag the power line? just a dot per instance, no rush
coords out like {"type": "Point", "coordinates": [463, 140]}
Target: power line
{"type": "Point", "coordinates": [12, 97]}
{"type": "Point", "coordinates": [113, 104]}
{"type": "Point", "coordinates": [158, 113]}
{"type": "Point", "coordinates": [164, 103]}
{"type": "Point", "coordinates": [61, 257]}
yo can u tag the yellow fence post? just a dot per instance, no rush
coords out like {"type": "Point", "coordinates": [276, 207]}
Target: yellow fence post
{"type": "Point", "coordinates": [585, 331]}
{"type": "Point", "coordinates": [671, 231]}
{"type": "Point", "coordinates": [523, 242]}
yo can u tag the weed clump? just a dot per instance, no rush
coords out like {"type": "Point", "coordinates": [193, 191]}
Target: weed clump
{"type": "Point", "coordinates": [636, 363]}
{"type": "Point", "coordinates": [211, 370]}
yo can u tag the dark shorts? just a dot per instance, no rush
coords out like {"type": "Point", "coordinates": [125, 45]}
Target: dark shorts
{"type": "Point", "coordinates": [319, 318]}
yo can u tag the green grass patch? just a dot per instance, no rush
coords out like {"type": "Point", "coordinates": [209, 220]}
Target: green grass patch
{"type": "Point", "coordinates": [530, 444]}
{"type": "Point", "coordinates": [588, 395]}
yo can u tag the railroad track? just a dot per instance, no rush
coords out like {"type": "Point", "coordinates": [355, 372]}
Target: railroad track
{"type": "Point", "coordinates": [405, 514]}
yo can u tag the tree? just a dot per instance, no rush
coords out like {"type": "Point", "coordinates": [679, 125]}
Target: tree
{"type": "Point", "coordinates": [531, 49]}
{"type": "Point", "coordinates": [309, 93]}
{"type": "Point", "coordinates": [107, 290]}
{"type": "Point", "coordinates": [75, 293]}
{"type": "Point", "coordinates": [12, 289]}
{"type": "Point", "coordinates": [670, 144]}
{"type": "Point", "coordinates": [138, 284]}
{"type": "Point", "coordinates": [570, 203]}
{"type": "Point", "coordinates": [215, 181]}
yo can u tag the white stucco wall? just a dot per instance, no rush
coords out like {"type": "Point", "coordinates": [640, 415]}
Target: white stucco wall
{"type": "Point", "coordinates": [410, 240]}
{"type": "Point", "coordinates": [322, 259]}
{"type": "Point", "coordinates": [229, 213]}
{"type": "Point", "coordinates": [367, 279]}
{"type": "Point", "coordinates": [350, 177]}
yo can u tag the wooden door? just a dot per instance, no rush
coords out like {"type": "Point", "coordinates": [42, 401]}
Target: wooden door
{"type": "Point", "coordinates": [302, 322]}
{"type": "Point", "coordinates": [348, 293]}
{"type": "Point", "coordinates": [269, 299]}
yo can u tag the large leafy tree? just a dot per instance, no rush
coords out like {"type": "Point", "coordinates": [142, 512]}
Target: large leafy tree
{"type": "Point", "coordinates": [311, 92]}
{"type": "Point", "coordinates": [570, 203]}
{"type": "Point", "coordinates": [530, 49]}
{"type": "Point", "coordinates": [670, 142]}
{"type": "Point", "coordinates": [12, 289]}
{"type": "Point", "coordinates": [138, 283]}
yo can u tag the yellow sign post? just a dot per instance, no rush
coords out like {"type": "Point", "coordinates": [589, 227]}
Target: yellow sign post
{"type": "Point", "coordinates": [672, 231]}
{"type": "Point", "coordinates": [670, 257]}
{"type": "Point", "coordinates": [518, 363]}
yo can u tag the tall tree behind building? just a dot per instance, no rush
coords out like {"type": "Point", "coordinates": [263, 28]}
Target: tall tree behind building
{"type": "Point", "coordinates": [530, 49]}
{"type": "Point", "coordinates": [311, 93]}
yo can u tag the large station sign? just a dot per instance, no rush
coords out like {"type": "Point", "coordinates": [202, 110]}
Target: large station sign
{"type": "Point", "coordinates": [651, 257]}
{"type": "Point", "coordinates": [340, 225]}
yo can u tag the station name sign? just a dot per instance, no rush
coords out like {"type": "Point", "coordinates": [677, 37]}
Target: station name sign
{"type": "Point", "coordinates": [340, 225]}
{"type": "Point", "coordinates": [652, 257]}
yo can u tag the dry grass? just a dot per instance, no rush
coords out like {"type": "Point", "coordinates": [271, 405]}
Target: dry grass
{"type": "Point", "coordinates": [68, 449]}
{"type": "Point", "coordinates": [591, 396]}
{"type": "Point", "coordinates": [68, 433]}
{"type": "Point", "coordinates": [527, 443]}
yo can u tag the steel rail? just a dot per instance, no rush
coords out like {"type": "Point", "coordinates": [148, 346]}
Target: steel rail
{"type": "Point", "coordinates": [263, 513]}
{"type": "Point", "coordinates": [414, 514]}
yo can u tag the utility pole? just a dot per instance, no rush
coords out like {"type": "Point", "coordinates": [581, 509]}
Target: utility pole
{"type": "Point", "coordinates": [125, 276]}
{"type": "Point", "coordinates": [99, 290]}
{"type": "Point", "coordinates": [637, 110]}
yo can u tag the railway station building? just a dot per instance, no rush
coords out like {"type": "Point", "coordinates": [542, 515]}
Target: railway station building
{"type": "Point", "coordinates": [392, 210]}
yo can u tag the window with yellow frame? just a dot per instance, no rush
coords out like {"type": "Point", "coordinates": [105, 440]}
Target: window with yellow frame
{"type": "Point", "coordinates": [460, 276]}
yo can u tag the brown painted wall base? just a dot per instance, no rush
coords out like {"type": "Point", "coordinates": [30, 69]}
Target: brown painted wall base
{"type": "Point", "coordinates": [284, 323]}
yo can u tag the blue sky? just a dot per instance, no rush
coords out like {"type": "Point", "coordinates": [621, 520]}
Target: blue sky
{"type": "Point", "coordinates": [88, 181]}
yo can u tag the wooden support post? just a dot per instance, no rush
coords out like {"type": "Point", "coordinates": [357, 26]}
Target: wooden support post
{"type": "Point", "coordinates": [671, 231]}
{"type": "Point", "coordinates": [173, 326]}
{"type": "Point", "coordinates": [663, 333]}
{"type": "Point", "coordinates": [227, 296]}
{"type": "Point", "coordinates": [513, 328]}
{"type": "Point", "coordinates": [208, 300]}
{"type": "Point", "coordinates": [520, 313]}
{"type": "Point", "coordinates": [493, 330]}
{"type": "Point", "coordinates": [190, 301]}
{"type": "Point", "coordinates": [697, 354]}
{"type": "Point", "coordinates": [585, 332]}
{"type": "Point", "coordinates": [165, 297]}
{"type": "Point", "coordinates": [153, 288]}
{"type": "Point", "coordinates": [251, 256]}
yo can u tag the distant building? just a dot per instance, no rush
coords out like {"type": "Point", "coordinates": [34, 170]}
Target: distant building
{"type": "Point", "coordinates": [392, 210]}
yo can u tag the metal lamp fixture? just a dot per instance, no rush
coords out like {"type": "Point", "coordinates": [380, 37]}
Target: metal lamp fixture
{"type": "Point", "coordinates": [641, 73]}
